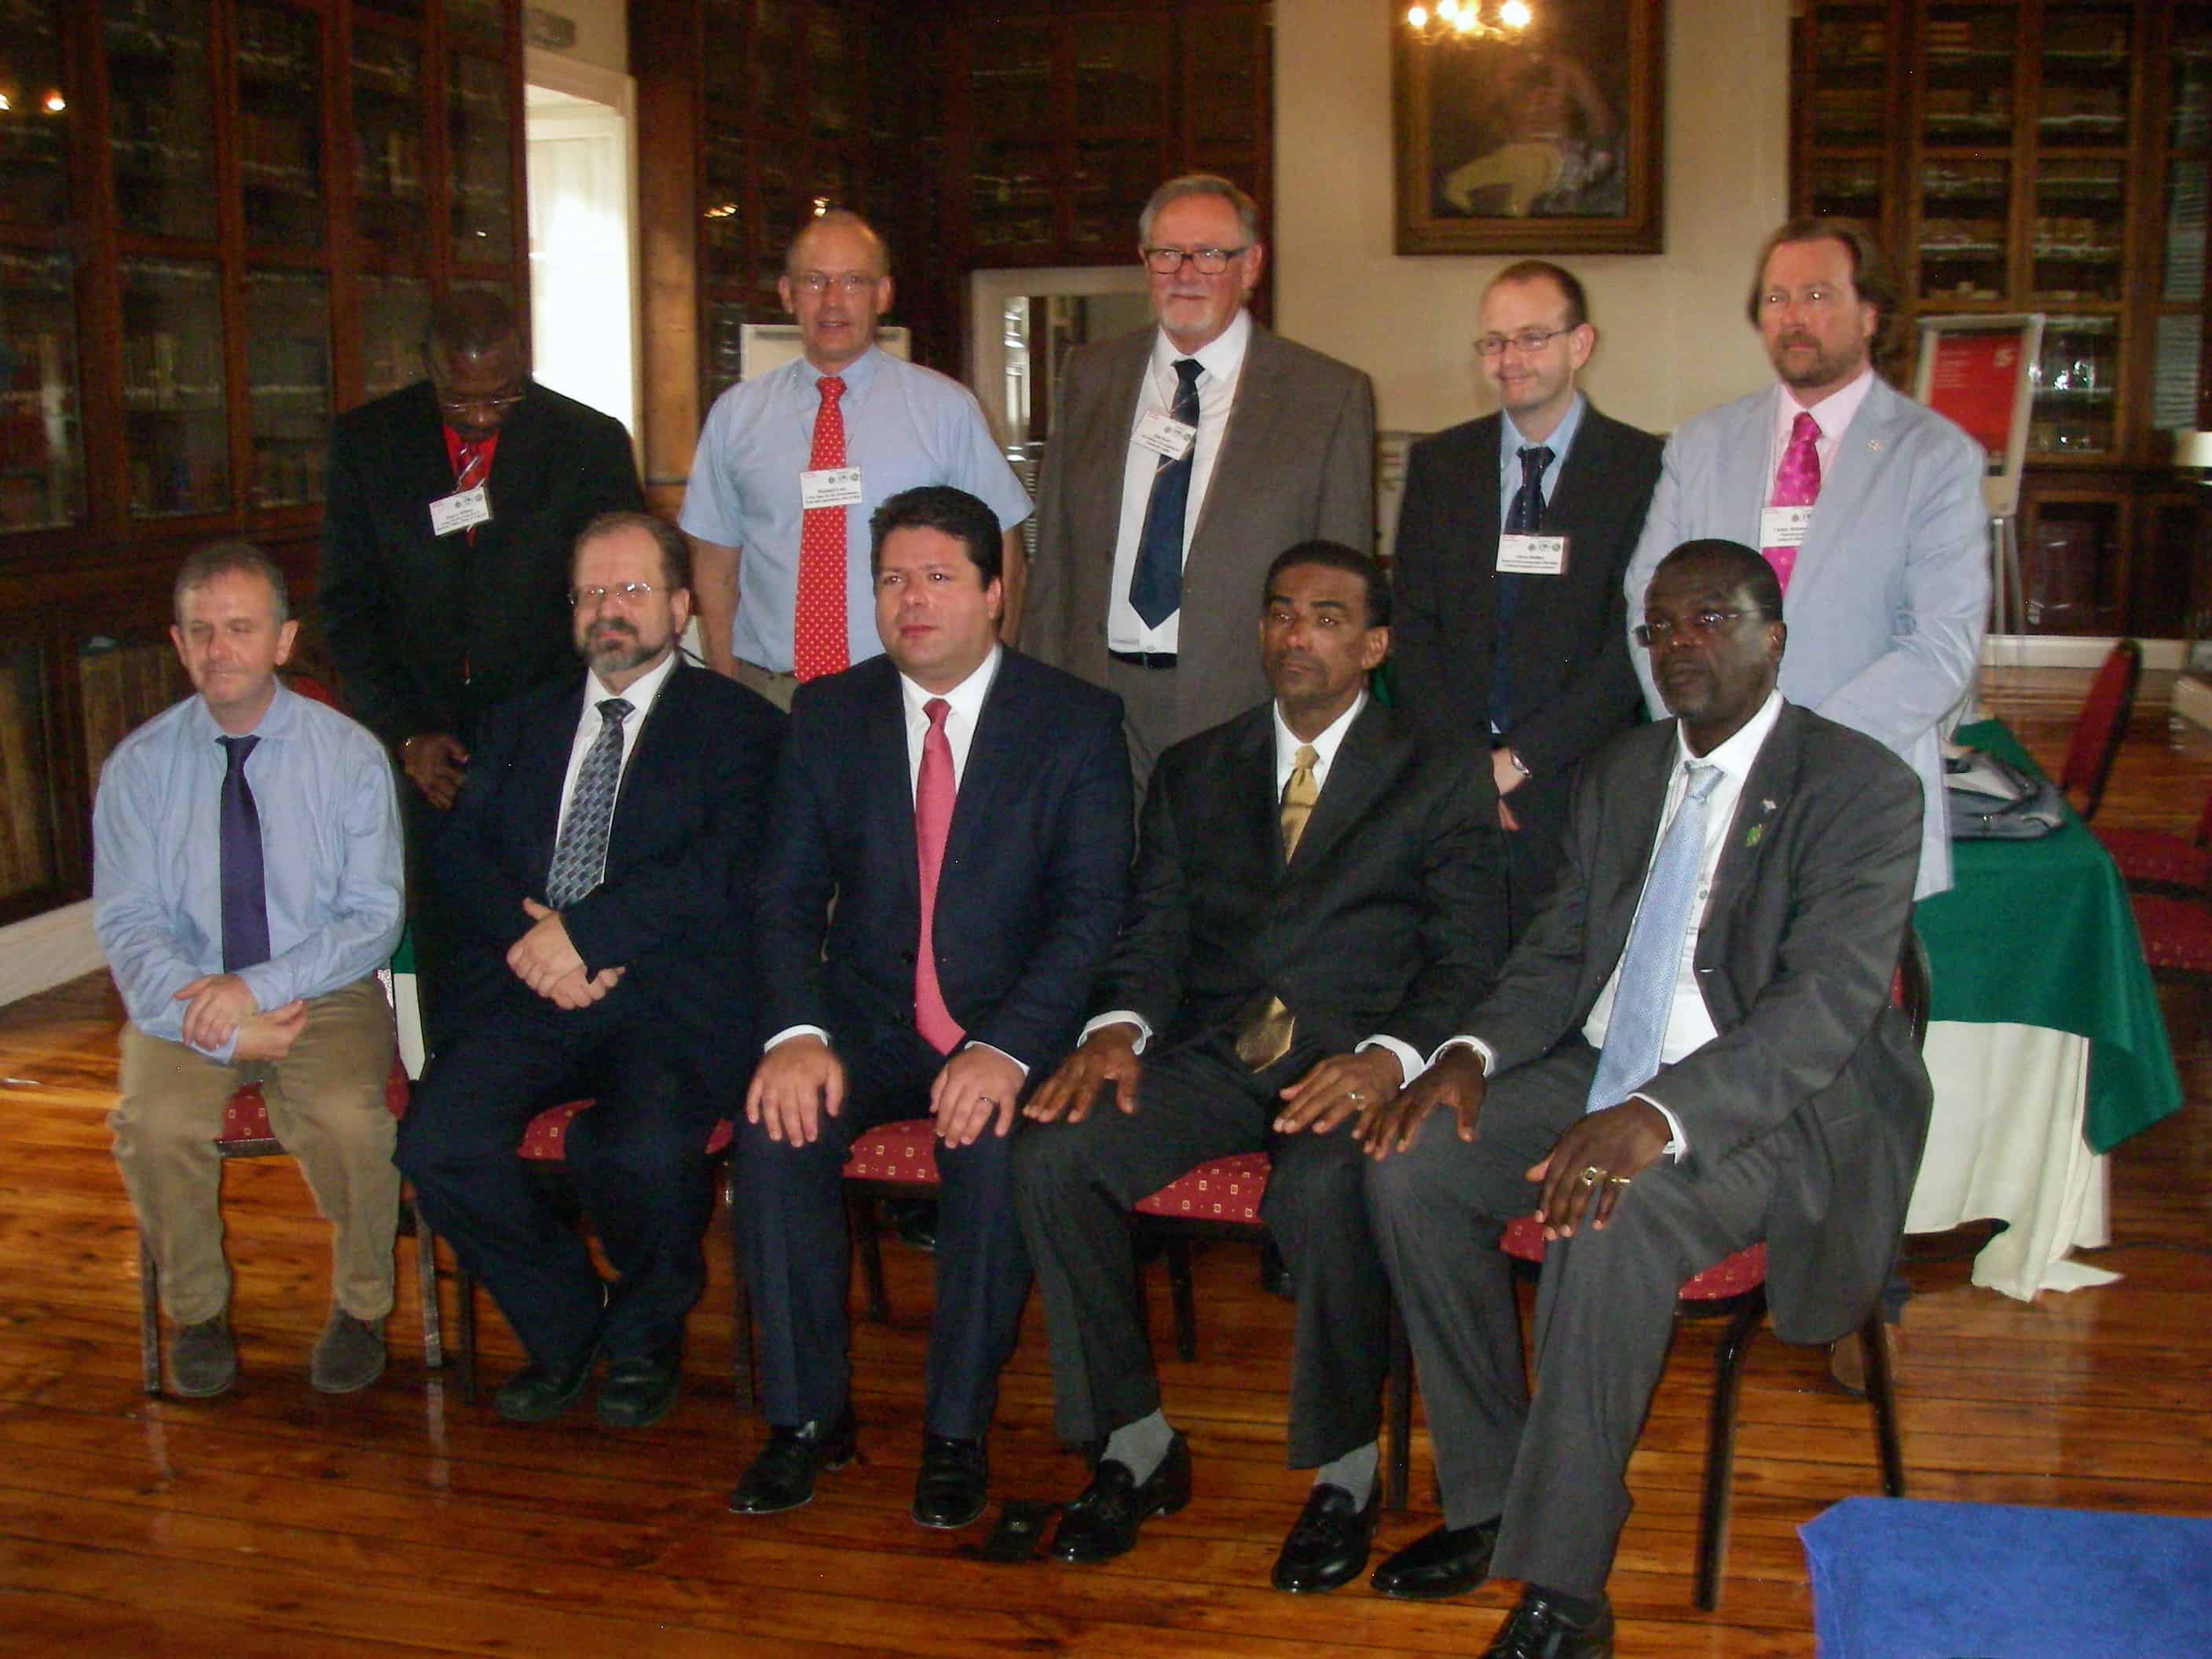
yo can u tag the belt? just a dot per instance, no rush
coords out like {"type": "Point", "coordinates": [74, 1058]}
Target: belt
{"type": "Point", "coordinates": [1144, 659]}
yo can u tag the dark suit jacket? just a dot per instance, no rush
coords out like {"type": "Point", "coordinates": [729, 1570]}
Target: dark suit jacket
{"type": "Point", "coordinates": [1035, 867]}
{"type": "Point", "coordinates": [1796, 956]}
{"type": "Point", "coordinates": [1573, 686]}
{"type": "Point", "coordinates": [1297, 462]}
{"type": "Point", "coordinates": [429, 631]}
{"type": "Point", "coordinates": [1388, 912]}
{"type": "Point", "coordinates": [675, 908]}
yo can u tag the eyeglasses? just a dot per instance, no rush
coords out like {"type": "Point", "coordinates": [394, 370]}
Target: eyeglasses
{"type": "Point", "coordinates": [1527, 340]}
{"type": "Point", "coordinates": [1210, 261]}
{"type": "Point", "coordinates": [628, 592]}
{"type": "Point", "coordinates": [1698, 625]}
{"type": "Point", "coordinates": [850, 283]}
{"type": "Point", "coordinates": [451, 405]}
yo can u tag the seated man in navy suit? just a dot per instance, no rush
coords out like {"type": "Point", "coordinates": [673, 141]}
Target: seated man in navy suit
{"type": "Point", "coordinates": [600, 863]}
{"type": "Point", "coordinates": [969, 809]}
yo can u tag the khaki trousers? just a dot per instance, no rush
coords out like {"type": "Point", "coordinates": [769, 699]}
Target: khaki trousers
{"type": "Point", "coordinates": [326, 1109]}
{"type": "Point", "coordinates": [778, 689]}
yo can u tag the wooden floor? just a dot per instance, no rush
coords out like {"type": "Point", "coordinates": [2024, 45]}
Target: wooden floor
{"type": "Point", "coordinates": [276, 1522]}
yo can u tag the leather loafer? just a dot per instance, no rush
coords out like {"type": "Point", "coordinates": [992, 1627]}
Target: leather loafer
{"type": "Point", "coordinates": [1539, 1629]}
{"type": "Point", "coordinates": [1443, 1561]}
{"type": "Point", "coordinates": [1103, 1521]}
{"type": "Point", "coordinates": [1328, 1545]}
{"type": "Point", "coordinates": [783, 1476]}
{"type": "Point", "coordinates": [638, 1391]}
{"type": "Point", "coordinates": [538, 1391]}
{"type": "Point", "coordinates": [950, 1490]}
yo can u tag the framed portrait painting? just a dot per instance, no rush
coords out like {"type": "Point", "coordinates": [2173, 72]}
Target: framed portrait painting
{"type": "Point", "coordinates": [1544, 139]}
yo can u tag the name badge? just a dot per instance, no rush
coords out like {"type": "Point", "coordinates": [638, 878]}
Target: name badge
{"type": "Point", "coordinates": [464, 509]}
{"type": "Point", "coordinates": [1522, 555]}
{"type": "Point", "coordinates": [1164, 435]}
{"type": "Point", "coordinates": [1785, 527]}
{"type": "Point", "coordinates": [832, 486]}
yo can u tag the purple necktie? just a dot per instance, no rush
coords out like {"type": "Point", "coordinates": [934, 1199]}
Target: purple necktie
{"type": "Point", "coordinates": [1797, 483]}
{"type": "Point", "coordinates": [245, 898]}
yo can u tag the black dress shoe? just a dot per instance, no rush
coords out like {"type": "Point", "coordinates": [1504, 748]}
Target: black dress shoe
{"type": "Point", "coordinates": [783, 1476]}
{"type": "Point", "coordinates": [1540, 1628]}
{"type": "Point", "coordinates": [538, 1391]}
{"type": "Point", "coordinates": [914, 1222]}
{"type": "Point", "coordinates": [1328, 1545]}
{"type": "Point", "coordinates": [950, 1490]}
{"type": "Point", "coordinates": [638, 1391]}
{"type": "Point", "coordinates": [1103, 1521]}
{"type": "Point", "coordinates": [1443, 1561]}
{"type": "Point", "coordinates": [1275, 1273]}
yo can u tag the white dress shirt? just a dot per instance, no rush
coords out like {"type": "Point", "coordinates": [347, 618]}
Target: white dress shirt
{"type": "Point", "coordinates": [1221, 365]}
{"type": "Point", "coordinates": [1832, 414]}
{"type": "Point", "coordinates": [639, 696]}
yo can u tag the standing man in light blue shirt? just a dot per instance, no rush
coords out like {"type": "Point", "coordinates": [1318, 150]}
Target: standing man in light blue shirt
{"type": "Point", "coordinates": [797, 460]}
{"type": "Point", "coordinates": [247, 887]}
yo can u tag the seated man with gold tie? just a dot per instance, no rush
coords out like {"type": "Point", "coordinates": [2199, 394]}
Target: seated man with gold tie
{"type": "Point", "coordinates": [1692, 1050]}
{"type": "Point", "coordinates": [947, 859]}
{"type": "Point", "coordinates": [1319, 892]}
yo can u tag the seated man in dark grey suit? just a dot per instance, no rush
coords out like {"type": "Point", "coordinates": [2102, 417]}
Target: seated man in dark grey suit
{"type": "Point", "coordinates": [1319, 891]}
{"type": "Point", "coordinates": [1692, 1050]}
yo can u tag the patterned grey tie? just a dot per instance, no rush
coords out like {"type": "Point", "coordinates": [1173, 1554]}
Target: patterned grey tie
{"type": "Point", "coordinates": [1637, 1033]}
{"type": "Point", "coordinates": [581, 852]}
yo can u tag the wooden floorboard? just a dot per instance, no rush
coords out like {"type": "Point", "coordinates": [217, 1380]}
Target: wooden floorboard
{"type": "Point", "coordinates": [276, 1522]}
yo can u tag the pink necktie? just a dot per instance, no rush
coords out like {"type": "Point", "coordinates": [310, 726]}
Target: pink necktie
{"type": "Point", "coordinates": [818, 644]}
{"type": "Point", "coordinates": [1797, 483]}
{"type": "Point", "coordinates": [933, 817]}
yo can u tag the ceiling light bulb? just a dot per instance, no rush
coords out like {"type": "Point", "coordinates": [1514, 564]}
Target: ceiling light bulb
{"type": "Point", "coordinates": [1418, 17]}
{"type": "Point", "coordinates": [1465, 21]}
{"type": "Point", "coordinates": [56, 103]}
{"type": "Point", "coordinates": [1516, 15]}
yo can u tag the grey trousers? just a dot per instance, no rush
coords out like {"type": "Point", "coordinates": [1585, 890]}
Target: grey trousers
{"type": "Point", "coordinates": [1554, 1467]}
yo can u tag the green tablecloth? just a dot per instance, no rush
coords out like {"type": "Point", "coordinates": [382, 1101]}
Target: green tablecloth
{"type": "Point", "coordinates": [2039, 933]}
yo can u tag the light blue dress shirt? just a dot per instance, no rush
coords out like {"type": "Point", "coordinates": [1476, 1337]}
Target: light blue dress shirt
{"type": "Point", "coordinates": [1510, 444]}
{"type": "Point", "coordinates": [904, 426]}
{"type": "Point", "coordinates": [330, 852]}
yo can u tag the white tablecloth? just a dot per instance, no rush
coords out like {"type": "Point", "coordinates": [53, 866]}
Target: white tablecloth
{"type": "Point", "coordinates": [2005, 1142]}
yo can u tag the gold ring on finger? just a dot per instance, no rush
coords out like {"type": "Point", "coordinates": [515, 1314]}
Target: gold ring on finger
{"type": "Point", "coordinates": [1592, 1174]}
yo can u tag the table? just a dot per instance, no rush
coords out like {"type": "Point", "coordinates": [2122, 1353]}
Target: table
{"type": "Point", "coordinates": [2045, 1042]}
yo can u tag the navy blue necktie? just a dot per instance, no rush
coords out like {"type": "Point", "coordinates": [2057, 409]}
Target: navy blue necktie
{"type": "Point", "coordinates": [245, 896]}
{"type": "Point", "coordinates": [1524, 516]}
{"type": "Point", "coordinates": [1156, 589]}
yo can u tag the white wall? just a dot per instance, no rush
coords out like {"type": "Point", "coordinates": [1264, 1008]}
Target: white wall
{"type": "Point", "coordinates": [1674, 334]}
{"type": "Point", "coordinates": [602, 30]}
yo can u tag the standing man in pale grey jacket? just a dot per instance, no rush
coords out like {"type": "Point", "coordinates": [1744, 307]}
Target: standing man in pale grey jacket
{"type": "Point", "coordinates": [1868, 505]}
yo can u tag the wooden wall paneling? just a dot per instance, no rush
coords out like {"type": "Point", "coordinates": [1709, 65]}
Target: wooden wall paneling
{"type": "Point", "coordinates": [667, 48]}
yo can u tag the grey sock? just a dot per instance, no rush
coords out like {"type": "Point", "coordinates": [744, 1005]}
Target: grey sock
{"type": "Point", "coordinates": [1354, 1472]}
{"type": "Point", "coordinates": [1139, 1446]}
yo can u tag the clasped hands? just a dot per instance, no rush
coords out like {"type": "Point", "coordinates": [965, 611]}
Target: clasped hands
{"type": "Point", "coordinates": [800, 1081]}
{"type": "Point", "coordinates": [547, 961]}
{"type": "Point", "coordinates": [1341, 1087]}
{"type": "Point", "coordinates": [218, 1006]}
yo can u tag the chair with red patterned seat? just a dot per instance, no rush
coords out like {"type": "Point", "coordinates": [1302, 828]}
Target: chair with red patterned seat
{"type": "Point", "coordinates": [544, 1148]}
{"type": "Point", "coordinates": [247, 1133]}
{"type": "Point", "coordinates": [1734, 1288]}
{"type": "Point", "coordinates": [2176, 932]}
{"type": "Point", "coordinates": [2100, 727]}
{"type": "Point", "coordinates": [2156, 859]}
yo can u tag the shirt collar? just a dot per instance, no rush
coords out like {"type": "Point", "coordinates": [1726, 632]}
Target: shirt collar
{"type": "Point", "coordinates": [276, 720]}
{"type": "Point", "coordinates": [642, 692]}
{"type": "Point", "coordinates": [1735, 756]}
{"type": "Point", "coordinates": [966, 698]}
{"type": "Point", "coordinates": [1833, 412]}
{"type": "Point", "coordinates": [857, 375]}
{"type": "Point", "coordinates": [1326, 745]}
{"type": "Point", "coordinates": [1510, 442]}
{"type": "Point", "coordinates": [1220, 357]}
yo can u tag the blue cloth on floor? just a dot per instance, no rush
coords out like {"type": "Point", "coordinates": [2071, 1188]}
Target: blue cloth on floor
{"type": "Point", "coordinates": [1897, 1578]}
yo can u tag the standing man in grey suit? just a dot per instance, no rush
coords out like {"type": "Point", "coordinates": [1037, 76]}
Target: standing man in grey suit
{"type": "Point", "coordinates": [1183, 458]}
{"type": "Point", "coordinates": [1691, 1050]}
{"type": "Point", "coordinates": [1868, 506]}
{"type": "Point", "coordinates": [1515, 532]}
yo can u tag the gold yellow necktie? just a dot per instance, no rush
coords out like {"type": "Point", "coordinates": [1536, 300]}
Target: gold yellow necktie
{"type": "Point", "coordinates": [1268, 1028]}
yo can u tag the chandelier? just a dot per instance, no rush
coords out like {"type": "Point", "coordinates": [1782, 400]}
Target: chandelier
{"type": "Point", "coordinates": [1463, 20]}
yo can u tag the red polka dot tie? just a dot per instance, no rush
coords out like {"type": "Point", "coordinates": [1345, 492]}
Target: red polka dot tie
{"type": "Point", "coordinates": [1797, 483]}
{"type": "Point", "coordinates": [817, 635]}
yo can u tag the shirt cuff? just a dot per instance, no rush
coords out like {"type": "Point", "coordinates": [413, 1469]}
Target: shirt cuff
{"type": "Point", "coordinates": [995, 1049]}
{"type": "Point", "coordinates": [1120, 1017]}
{"type": "Point", "coordinates": [791, 1031]}
{"type": "Point", "coordinates": [1677, 1144]}
{"type": "Point", "coordinates": [1482, 1052]}
{"type": "Point", "coordinates": [1410, 1064]}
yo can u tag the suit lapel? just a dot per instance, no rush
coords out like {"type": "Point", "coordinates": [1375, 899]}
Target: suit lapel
{"type": "Point", "coordinates": [1845, 492]}
{"type": "Point", "coordinates": [1106, 445]}
{"type": "Point", "coordinates": [1261, 397]}
{"type": "Point", "coordinates": [991, 753]}
{"type": "Point", "coordinates": [1367, 762]}
{"type": "Point", "coordinates": [1630, 843]}
{"type": "Point", "coordinates": [517, 469]}
{"type": "Point", "coordinates": [1744, 471]}
{"type": "Point", "coordinates": [540, 775]}
{"type": "Point", "coordinates": [1766, 790]}
{"type": "Point", "coordinates": [1473, 580]}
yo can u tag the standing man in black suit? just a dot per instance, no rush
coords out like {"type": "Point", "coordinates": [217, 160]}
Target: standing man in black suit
{"type": "Point", "coordinates": [968, 810]}
{"type": "Point", "coordinates": [1512, 539]}
{"type": "Point", "coordinates": [600, 865]}
{"type": "Point", "coordinates": [454, 505]}
{"type": "Point", "coordinates": [1693, 1050]}
{"type": "Point", "coordinates": [1317, 888]}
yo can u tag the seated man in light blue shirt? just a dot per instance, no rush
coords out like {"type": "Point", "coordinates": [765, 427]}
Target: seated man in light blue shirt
{"type": "Point", "coordinates": [247, 888]}
{"type": "Point", "coordinates": [791, 464]}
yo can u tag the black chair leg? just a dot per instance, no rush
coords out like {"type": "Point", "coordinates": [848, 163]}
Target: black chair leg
{"type": "Point", "coordinates": [1720, 1449]}
{"type": "Point", "coordinates": [860, 1218]}
{"type": "Point", "coordinates": [465, 1329]}
{"type": "Point", "coordinates": [1398, 1406]}
{"type": "Point", "coordinates": [1179, 1290]}
{"type": "Point", "coordinates": [1882, 1394]}
{"type": "Point", "coordinates": [742, 1359]}
{"type": "Point", "coordinates": [426, 1283]}
{"type": "Point", "coordinates": [149, 1318]}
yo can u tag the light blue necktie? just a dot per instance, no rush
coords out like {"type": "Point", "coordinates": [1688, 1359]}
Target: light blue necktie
{"type": "Point", "coordinates": [1648, 967]}
{"type": "Point", "coordinates": [581, 853]}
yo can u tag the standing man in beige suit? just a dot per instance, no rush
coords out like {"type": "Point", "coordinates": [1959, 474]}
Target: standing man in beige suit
{"type": "Point", "coordinates": [1183, 458]}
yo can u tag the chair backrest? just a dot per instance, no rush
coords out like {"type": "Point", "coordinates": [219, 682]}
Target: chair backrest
{"type": "Point", "coordinates": [1908, 989]}
{"type": "Point", "coordinates": [2204, 822]}
{"type": "Point", "coordinates": [2102, 723]}
{"type": "Point", "coordinates": [315, 690]}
